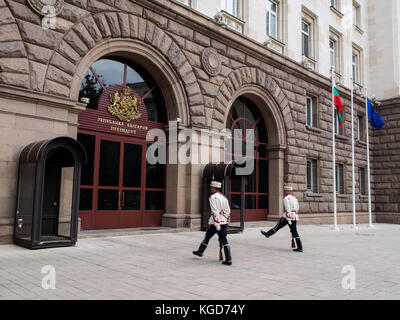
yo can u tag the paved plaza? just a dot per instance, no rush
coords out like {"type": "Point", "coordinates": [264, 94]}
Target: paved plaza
{"type": "Point", "coordinates": [162, 266]}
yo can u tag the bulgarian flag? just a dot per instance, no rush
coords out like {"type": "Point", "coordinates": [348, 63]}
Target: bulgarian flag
{"type": "Point", "coordinates": [338, 104]}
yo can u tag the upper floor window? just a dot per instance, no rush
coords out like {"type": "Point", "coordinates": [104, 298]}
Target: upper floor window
{"type": "Point", "coordinates": [356, 63]}
{"type": "Point", "coordinates": [356, 14]}
{"type": "Point", "coordinates": [305, 39]}
{"type": "Point", "coordinates": [230, 6]}
{"type": "Point", "coordinates": [272, 19]}
{"type": "Point", "coordinates": [332, 52]}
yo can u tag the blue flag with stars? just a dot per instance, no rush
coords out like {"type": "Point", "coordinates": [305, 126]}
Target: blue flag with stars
{"type": "Point", "coordinates": [374, 118]}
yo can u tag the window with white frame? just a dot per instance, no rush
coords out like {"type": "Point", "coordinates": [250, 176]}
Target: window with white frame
{"type": "Point", "coordinates": [356, 65]}
{"type": "Point", "coordinates": [339, 179]}
{"type": "Point", "coordinates": [332, 53]}
{"type": "Point", "coordinates": [335, 49]}
{"type": "Point", "coordinates": [356, 14]}
{"type": "Point", "coordinates": [312, 176]}
{"type": "Point", "coordinates": [272, 19]}
{"type": "Point", "coordinates": [230, 6]}
{"type": "Point", "coordinates": [305, 39]}
{"type": "Point", "coordinates": [361, 181]}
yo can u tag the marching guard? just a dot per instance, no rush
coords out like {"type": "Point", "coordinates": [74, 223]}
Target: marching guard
{"type": "Point", "coordinates": [218, 222]}
{"type": "Point", "coordinates": [290, 217]}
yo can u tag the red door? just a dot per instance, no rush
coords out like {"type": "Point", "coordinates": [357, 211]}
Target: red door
{"type": "Point", "coordinates": [126, 191]}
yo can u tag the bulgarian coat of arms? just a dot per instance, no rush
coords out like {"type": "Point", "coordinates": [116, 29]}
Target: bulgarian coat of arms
{"type": "Point", "coordinates": [124, 105]}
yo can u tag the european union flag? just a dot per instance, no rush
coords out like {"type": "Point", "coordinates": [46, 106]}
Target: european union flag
{"type": "Point", "coordinates": [374, 118]}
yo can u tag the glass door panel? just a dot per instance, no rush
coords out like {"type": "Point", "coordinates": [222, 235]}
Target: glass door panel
{"type": "Point", "coordinates": [109, 163]}
{"type": "Point", "coordinates": [131, 200]}
{"type": "Point", "coordinates": [107, 200]}
{"type": "Point", "coordinates": [132, 175]}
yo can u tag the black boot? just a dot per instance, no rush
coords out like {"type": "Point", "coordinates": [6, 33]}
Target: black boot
{"type": "Point", "coordinates": [201, 250]}
{"type": "Point", "coordinates": [228, 258]}
{"type": "Point", "coordinates": [299, 245]}
{"type": "Point", "coordinates": [269, 233]}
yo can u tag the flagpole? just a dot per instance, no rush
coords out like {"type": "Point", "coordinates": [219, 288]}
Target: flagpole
{"type": "Point", "coordinates": [334, 153]}
{"type": "Point", "coordinates": [368, 163]}
{"type": "Point", "coordinates": [352, 155]}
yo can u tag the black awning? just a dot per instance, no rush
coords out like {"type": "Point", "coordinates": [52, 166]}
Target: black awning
{"type": "Point", "coordinates": [41, 150]}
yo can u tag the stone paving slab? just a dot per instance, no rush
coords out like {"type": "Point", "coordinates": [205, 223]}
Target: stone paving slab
{"type": "Point", "coordinates": [161, 266]}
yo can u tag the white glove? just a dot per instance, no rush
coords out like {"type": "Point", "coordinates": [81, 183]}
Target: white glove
{"type": "Point", "coordinates": [217, 226]}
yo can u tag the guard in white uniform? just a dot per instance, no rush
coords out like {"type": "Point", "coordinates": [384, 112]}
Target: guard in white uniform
{"type": "Point", "coordinates": [290, 216]}
{"type": "Point", "coordinates": [218, 222]}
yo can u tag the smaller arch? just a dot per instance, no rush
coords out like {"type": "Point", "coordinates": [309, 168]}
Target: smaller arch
{"type": "Point", "coordinates": [271, 114]}
{"type": "Point", "coordinates": [260, 88]}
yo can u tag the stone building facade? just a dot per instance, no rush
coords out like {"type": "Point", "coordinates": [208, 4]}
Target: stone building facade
{"type": "Point", "coordinates": [42, 71]}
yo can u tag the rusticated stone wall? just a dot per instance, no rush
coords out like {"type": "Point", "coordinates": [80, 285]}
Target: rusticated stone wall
{"type": "Point", "coordinates": [44, 62]}
{"type": "Point", "coordinates": [386, 163]}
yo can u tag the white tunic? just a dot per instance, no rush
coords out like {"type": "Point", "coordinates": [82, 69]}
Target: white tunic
{"type": "Point", "coordinates": [291, 207]}
{"type": "Point", "coordinates": [220, 210]}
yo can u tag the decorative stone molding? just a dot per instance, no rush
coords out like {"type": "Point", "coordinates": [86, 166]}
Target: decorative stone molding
{"type": "Point", "coordinates": [210, 61]}
{"type": "Point", "coordinates": [47, 7]}
{"type": "Point", "coordinates": [308, 63]}
{"type": "Point", "coordinates": [358, 88]}
{"type": "Point", "coordinates": [274, 44]}
{"type": "Point", "coordinates": [224, 18]}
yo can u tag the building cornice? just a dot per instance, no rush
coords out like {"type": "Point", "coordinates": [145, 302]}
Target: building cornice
{"type": "Point", "coordinates": [41, 98]}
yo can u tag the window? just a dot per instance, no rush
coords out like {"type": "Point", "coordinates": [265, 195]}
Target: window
{"type": "Point", "coordinates": [361, 128]}
{"type": "Point", "coordinates": [356, 14]}
{"type": "Point", "coordinates": [355, 67]}
{"type": "Point", "coordinates": [305, 39]}
{"type": "Point", "coordinates": [309, 112]}
{"type": "Point", "coordinates": [312, 176]}
{"type": "Point", "coordinates": [361, 181]}
{"type": "Point", "coordinates": [272, 19]}
{"type": "Point", "coordinates": [339, 130]}
{"type": "Point", "coordinates": [335, 50]}
{"type": "Point", "coordinates": [356, 62]}
{"type": "Point", "coordinates": [339, 179]}
{"type": "Point", "coordinates": [230, 6]}
{"type": "Point", "coordinates": [332, 53]}
{"type": "Point", "coordinates": [312, 112]}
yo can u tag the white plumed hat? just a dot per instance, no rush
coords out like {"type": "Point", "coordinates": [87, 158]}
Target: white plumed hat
{"type": "Point", "coordinates": [216, 184]}
{"type": "Point", "coordinates": [287, 187]}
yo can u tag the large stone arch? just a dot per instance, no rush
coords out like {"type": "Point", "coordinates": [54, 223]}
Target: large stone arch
{"type": "Point", "coordinates": [171, 86]}
{"type": "Point", "coordinates": [103, 30]}
{"type": "Point", "coordinates": [274, 106]}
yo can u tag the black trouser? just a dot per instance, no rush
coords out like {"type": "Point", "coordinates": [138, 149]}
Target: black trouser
{"type": "Point", "coordinates": [222, 234]}
{"type": "Point", "coordinates": [293, 226]}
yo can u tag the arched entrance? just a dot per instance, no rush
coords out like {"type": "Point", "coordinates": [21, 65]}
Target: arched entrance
{"type": "Point", "coordinates": [119, 189]}
{"type": "Point", "coordinates": [242, 116]}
